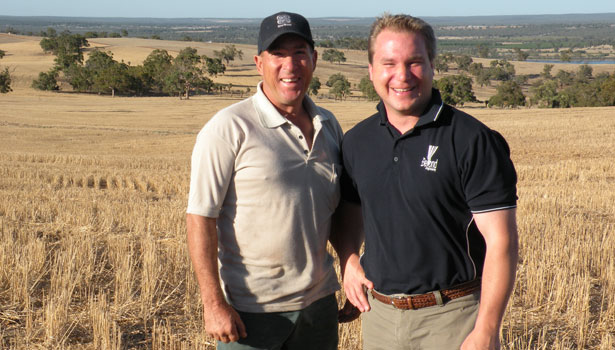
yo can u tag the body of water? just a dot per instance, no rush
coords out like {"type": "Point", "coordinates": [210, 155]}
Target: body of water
{"type": "Point", "coordinates": [574, 62]}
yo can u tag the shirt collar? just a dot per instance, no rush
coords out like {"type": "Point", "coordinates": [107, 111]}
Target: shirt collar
{"type": "Point", "coordinates": [430, 115]}
{"type": "Point", "coordinates": [271, 118]}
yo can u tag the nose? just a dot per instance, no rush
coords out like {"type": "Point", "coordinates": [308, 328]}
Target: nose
{"type": "Point", "coordinates": [290, 62]}
{"type": "Point", "coordinates": [403, 72]}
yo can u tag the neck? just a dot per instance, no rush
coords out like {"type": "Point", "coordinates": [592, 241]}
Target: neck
{"type": "Point", "coordinates": [403, 123]}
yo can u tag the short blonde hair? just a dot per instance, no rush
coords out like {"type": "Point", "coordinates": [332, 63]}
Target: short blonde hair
{"type": "Point", "coordinates": [402, 23]}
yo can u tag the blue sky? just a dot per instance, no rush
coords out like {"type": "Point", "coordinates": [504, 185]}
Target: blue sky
{"type": "Point", "coordinates": [313, 8]}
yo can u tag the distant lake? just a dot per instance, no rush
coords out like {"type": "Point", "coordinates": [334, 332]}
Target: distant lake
{"type": "Point", "coordinates": [575, 62]}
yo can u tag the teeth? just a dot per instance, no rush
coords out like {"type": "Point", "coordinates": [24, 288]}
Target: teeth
{"type": "Point", "coordinates": [401, 90]}
{"type": "Point", "coordinates": [289, 80]}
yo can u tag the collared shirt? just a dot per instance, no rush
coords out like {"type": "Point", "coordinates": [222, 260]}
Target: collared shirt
{"type": "Point", "coordinates": [418, 192]}
{"type": "Point", "coordinates": [273, 198]}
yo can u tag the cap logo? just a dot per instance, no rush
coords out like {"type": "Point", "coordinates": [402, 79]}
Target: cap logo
{"type": "Point", "coordinates": [283, 20]}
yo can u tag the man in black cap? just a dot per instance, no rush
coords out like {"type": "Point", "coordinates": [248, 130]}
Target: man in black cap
{"type": "Point", "coordinates": [264, 185]}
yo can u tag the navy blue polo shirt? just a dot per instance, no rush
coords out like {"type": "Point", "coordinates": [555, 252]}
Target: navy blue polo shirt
{"type": "Point", "coordinates": [418, 192]}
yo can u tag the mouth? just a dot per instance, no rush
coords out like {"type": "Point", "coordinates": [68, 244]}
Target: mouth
{"type": "Point", "coordinates": [289, 80]}
{"type": "Point", "coordinates": [400, 90]}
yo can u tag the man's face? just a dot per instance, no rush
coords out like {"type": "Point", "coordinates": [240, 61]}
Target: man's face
{"type": "Point", "coordinates": [286, 68]}
{"type": "Point", "coordinates": [401, 72]}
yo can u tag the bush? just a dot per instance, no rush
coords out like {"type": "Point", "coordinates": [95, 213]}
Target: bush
{"type": "Point", "coordinates": [367, 88]}
{"type": "Point", "coordinates": [5, 81]}
{"type": "Point", "coordinates": [46, 81]}
{"type": "Point", "coordinates": [508, 94]}
{"type": "Point", "coordinates": [455, 89]}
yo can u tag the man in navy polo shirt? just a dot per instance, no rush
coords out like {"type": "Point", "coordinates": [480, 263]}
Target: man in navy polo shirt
{"type": "Point", "coordinates": [437, 193]}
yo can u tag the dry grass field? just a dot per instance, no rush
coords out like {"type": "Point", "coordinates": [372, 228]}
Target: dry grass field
{"type": "Point", "coordinates": [93, 192]}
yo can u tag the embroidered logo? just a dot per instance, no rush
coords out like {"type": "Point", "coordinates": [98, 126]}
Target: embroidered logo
{"type": "Point", "coordinates": [427, 163]}
{"type": "Point", "coordinates": [283, 20]}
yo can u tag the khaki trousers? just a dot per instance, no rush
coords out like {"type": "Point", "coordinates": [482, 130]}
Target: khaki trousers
{"type": "Point", "coordinates": [432, 328]}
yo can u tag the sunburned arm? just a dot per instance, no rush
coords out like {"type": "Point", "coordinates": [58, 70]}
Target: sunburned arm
{"type": "Point", "coordinates": [499, 229]}
{"type": "Point", "coordinates": [221, 320]}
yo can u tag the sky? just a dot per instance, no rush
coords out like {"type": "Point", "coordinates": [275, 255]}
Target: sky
{"type": "Point", "coordinates": [310, 9]}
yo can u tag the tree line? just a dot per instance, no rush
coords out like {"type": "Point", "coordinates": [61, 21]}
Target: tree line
{"type": "Point", "coordinates": [563, 89]}
{"type": "Point", "coordinates": [160, 73]}
{"type": "Point", "coordinates": [189, 72]}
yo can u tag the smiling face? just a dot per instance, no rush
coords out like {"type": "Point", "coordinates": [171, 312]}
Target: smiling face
{"type": "Point", "coordinates": [286, 68]}
{"type": "Point", "coordinates": [402, 73]}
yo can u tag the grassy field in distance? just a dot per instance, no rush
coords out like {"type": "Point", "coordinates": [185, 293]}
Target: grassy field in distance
{"type": "Point", "coordinates": [93, 193]}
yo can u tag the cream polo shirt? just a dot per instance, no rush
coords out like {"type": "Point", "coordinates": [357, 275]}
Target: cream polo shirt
{"type": "Point", "coordinates": [273, 199]}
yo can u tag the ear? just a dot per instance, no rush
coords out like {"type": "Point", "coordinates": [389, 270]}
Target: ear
{"type": "Point", "coordinates": [258, 60]}
{"type": "Point", "coordinates": [314, 59]}
{"type": "Point", "coordinates": [369, 70]}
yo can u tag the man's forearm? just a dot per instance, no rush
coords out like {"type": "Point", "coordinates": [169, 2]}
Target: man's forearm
{"type": "Point", "coordinates": [347, 231]}
{"type": "Point", "coordinates": [499, 270]}
{"type": "Point", "coordinates": [203, 248]}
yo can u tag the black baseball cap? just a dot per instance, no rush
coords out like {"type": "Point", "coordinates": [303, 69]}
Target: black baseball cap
{"type": "Point", "coordinates": [281, 23]}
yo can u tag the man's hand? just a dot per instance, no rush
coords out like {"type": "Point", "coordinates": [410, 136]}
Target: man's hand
{"type": "Point", "coordinates": [223, 323]}
{"type": "Point", "coordinates": [481, 341]}
{"type": "Point", "coordinates": [356, 284]}
{"type": "Point", "coordinates": [348, 313]}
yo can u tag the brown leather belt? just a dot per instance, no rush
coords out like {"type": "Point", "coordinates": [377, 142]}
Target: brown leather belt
{"type": "Point", "coordinates": [439, 297]}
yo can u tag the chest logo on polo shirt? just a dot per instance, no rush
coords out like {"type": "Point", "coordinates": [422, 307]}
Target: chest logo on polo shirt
{"type": "Point", "coordinates": [427, 163]}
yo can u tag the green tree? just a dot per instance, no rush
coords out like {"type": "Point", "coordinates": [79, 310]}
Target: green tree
{"type": "Point", "coordinates": [5, 81]}
{"type": "Point", "coordinates": [606, 95]}
{"type": "Point", "coordinates": [501, 70]}
{"type": "Point", "coordinates": [155, 68]}
{"type": "Point", "coordinates": [339, 85]}
{"type": "Point", "coordinates": [337, 76]}
{"type": "Point", "coordinates": [78, 77]}
{"type": "Point", "coordinates": [508, 94]}
{"type": "Point", "coordinates": [584, 73]}
{"type": "Point", "coordinates": [214, 66]}
{"type": "Point", "coordinates": [107, 75]}
{"type": "Point", "coordinates": [367, 88]}
{"type": "Point", "coordinates": [440, 64]}
{"type": "Point", "coordinates": [333, 55]}
{"type": "Point", "coordinates": [463, 62]}
{"type": "Point", "coordinates": [545, 94]}
{"type": "Point", "coordinates": [68, 48]}
{"type": "Point", "coordinates": [483, 78]}
{"type": "Point", "coordinates": [475, 68]}
{"type": "Point", "coordinates": [186, 74]}
{"type": "Point", "coordinates": [47, 81]}
{"type": "Point", "coordinates": [546, 71]}
{"type": "Point", "coordinates": [2, 54]}
{"type": "Point", "coordinates": [314, 86]}
{"type": "Point", "coordinates": [565, 78]}
{"type": "Point", "coordinates": [455, 89]}
{"type": "Point", "coordinates": [229, 53]}
{"type": "Point", "coordinates": [340, 89]}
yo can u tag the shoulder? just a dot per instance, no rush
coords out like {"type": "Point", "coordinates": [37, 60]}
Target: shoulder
{"type": "Point", "coordinates": [231, 123]}
{"type": "Point", "coordinates": [233, 116]}
{"type": "Point", "coordinates": [363, 128]}
{"type": "Point", "coordinates": [467, 127]}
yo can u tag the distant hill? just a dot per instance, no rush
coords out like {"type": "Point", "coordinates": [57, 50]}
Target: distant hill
{"type": "Point", "coordinates": [570, 30]}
